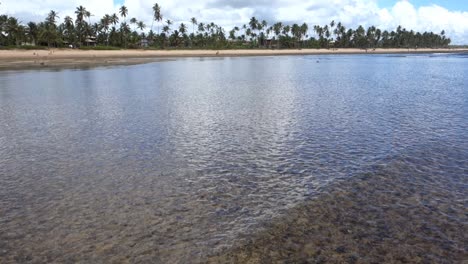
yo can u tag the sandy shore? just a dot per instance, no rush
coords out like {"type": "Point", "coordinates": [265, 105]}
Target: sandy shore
{"type": "Point", "coordinates": [13, 59]}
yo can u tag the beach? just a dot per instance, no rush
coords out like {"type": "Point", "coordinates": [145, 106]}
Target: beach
{"type": "Point", "coordinates": [70, 58]}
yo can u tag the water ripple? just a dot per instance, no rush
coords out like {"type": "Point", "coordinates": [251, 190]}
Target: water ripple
{"type": "Point", "coordinates": [175, 161]}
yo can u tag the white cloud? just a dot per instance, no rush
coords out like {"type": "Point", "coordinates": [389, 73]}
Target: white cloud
{"type": "Point", "coordinates": [237, 12]}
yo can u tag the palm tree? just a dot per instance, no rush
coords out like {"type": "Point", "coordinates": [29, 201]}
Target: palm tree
{"type": "Point", "coordinates": [337, 33]}
{"type": "Point", "coordinates": [332, 24]}
{"type": "Point", "coordinates": [141, 25]}
{"type": "Point", "coordinates": [124, 29]}
{"type": "Point", "coordinates": [80, 13]}
{"type": "Point", "coordinates": [157, 16]}
{"type": "Point", "coordinates": [133, 21]}
{"type": "Point", "coordinates": [303, 30]}
{"type": "Point", "coordinates": [32, 32]}
{"type": "Point", "coordinates": [201, 27]}
{"type": "Point", "coordinates": [248, 33]}
{"type": "Point", "coordinates": [52, 17]}
{"type": "Point", "coordinates": [69, 28]}
{"type": "Point", "coordinates": [326, 31]}
{"type": "Point", "coordinates": [360, 37]}
{"type": "Point", "coordinates": [14, 29]}
{"type": "Point", "coordinates": [295, 30]}
{"type": "Point", "coordinates": [166, 29]}
{"type": "Point", "coordinates": [68, 21]}
{"type": "Point", "coordinates": [106, 20]}
{"type": "Point", "coordinates": [88, 15]}
{"type": "Point", "coordinates": [123, 12]}
{"type": "Point", "coordinates": [114, 19]}
{"type": "Point", "coordinates": [244, 27]}
{"type": "Point", "coordinates": [277, 27]}
{"type": "Point", "coordinates": [286, 30]}
{"type": "Point", "coordinates": [253, 24]}
{"type": "Point", "coordinates": [182, 28]}
{"type": "Point", "coordinates": [194, 23]}
{"type": "Point", "coordinates": [48, 31]}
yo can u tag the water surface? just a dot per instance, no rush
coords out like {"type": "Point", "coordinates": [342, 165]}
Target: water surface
{"type": "Point", "coordinates": [179, 160]}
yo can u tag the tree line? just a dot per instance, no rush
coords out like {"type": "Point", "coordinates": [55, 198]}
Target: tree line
{"type": "Point", "coordinates": [117, 30]}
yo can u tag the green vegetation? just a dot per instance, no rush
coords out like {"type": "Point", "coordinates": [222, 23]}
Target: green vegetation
{"type": "Point", "coordinates": [113, 32]}
{"type": "Point", "coordinates": [24, 47]}
{"type": "Point", "coordinates": [99, 48]}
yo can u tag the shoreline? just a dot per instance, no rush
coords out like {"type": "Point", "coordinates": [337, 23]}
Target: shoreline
{"type": "Point", "coordinates": [24, 59]}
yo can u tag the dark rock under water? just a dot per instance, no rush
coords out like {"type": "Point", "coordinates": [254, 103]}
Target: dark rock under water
{"type": "Point", "coordinates": [399, 212]}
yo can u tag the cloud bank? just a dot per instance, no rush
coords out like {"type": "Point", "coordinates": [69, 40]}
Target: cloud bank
{"type": "Point", "coordinates": [238, 12]}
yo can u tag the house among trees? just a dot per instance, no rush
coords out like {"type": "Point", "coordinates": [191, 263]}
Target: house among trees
{"type": "Point", "coordinates": [144, 43]}
{"type": "Point", "coordinates": [268, 43]}
{"type": "Point", "coordinates": [90, 41]}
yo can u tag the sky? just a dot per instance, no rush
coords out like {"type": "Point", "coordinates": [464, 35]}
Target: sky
{"type": "Point", "coordinates": [418, 15]}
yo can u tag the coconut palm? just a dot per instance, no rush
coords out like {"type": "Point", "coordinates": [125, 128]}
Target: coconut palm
{"type": "Point", "coordinates": [166, 29]}
{"type": "Point", "coordinates": [14, 29]}
{"type": "Point", "coordinates": [114, 19]}
{"type": "Point", "coordinates": [52, 17]}
{"type": "Point", "coordinates": [141, 25]}
{"type": "Point", "coordinates": [253, 23]}
{"type": "Point", "coordinates": [69, 29]}
{"type": "Point", "coordinates": [32, 31]}
{"type": "Point", "coordinates": [277, 27]}
{"type": "Point", "coordinates": [286, 30]}
{"type": "Point", "coordinates": [124, 32]}
{"type": "Point", "coordinates": [303, 30]}
{"type": "Point", "coordinates": [194, 23]}
{"type": "Point", "coordinates": [123, 11]}
{"type": "Point", "coordinates": [81, 13]}
{"type": "Point", "coordinates": [201, 27]}
{"type": "Point", "coordinates": [157, 16]}
{"type": "Point", "coordinates": [182, 28]}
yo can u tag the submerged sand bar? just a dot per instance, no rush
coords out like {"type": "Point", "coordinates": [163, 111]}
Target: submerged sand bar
{"type": "Point", "coordinates": [11, 59]}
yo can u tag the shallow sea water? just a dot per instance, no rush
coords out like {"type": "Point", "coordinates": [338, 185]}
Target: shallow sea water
{"type": "Point", "coordinates": [193, 160]}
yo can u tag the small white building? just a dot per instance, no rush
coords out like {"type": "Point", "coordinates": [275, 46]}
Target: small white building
{"type": "Point", "coordinates": [144, 43]}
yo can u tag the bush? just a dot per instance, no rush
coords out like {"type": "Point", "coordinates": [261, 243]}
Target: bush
{"type": "Point", "coordinates": [99, 48]}
{"type": "Point", "coordinates": [23, 47]}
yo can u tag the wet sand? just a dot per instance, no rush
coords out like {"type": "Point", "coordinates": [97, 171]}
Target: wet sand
{"type": "Point", "coordinates": [69, 58]}
{"type": "Point", "coordinates": [399, 213]}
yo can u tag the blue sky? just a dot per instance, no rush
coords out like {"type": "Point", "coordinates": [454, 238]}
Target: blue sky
{"type": "Point", "coordinates": [459, 5]}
